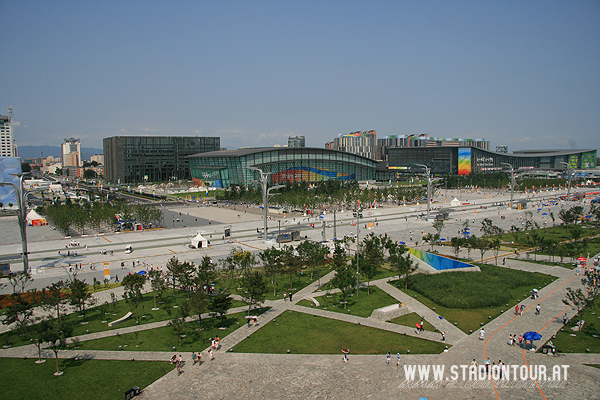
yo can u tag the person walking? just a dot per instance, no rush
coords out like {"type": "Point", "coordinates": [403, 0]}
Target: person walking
{"type": "Point", "coordinates": [537, 309]}
{"type": "Point", "coordinates": [193, 358]}
{"type": "Point", "coordinates": [211, 356]}
{"type": "Point", "coordinates": [398, 360]}
{"type": "Point", "coordinates": [388, 357]}
{"type": "Point", "coordinates": [443, 336]}
{"type": "Point", "coordinates": [482, 334]}
{"type": "Point", "coordinates": [290, 297]}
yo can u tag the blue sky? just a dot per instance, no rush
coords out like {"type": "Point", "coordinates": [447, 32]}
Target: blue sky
{"type": "Point", "coordinates": [520, 73]}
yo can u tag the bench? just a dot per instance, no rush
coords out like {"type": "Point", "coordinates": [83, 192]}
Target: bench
{"type": "Point", "coordinates": [118, 321]}
{"type": "Point", "coordinates": [390, 312]}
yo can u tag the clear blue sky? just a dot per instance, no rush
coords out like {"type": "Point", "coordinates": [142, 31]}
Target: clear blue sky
{"type": "Point", "coordinates": [520, 73]}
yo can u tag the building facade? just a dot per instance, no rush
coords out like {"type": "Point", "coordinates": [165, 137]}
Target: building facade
{"type": "Point", "coordinates": [8, 146]}
{"type": "Point", "coordinates": [230, 168]}
{"type": "Point", "coordinates": [129, 159]}
{"type": "Point", "coordinates": [360, 143]}
{"type": "Point", "coordinates": [423, 140]}
{"type": "Point", "coordinates": [467, 160]}
{"type": "Point", "coordinates": [296, 141]}
{"type": "Point", "coordinates": [71, 153]}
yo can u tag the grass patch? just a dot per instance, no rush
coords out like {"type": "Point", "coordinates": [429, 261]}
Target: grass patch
{"type": "Point", "coordinates": [412, 319]}
{"type": "Point", "coordinates": [471, 299]}
{"type": "Point", "coordinates": [585, 339]}
{"type": "Point", "coordinates": [97, 379]}
{"type": "Point", "coordinates": [306, 334]}
{"type": "Point", "coordinates": [165, 338]}
{"type": "Point", "coordinates": [361, 306]}
{"type": "Point", "coordinates": [550, 264]}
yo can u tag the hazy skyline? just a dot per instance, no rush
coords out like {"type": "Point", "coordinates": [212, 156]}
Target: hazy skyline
{"type": "Point", "coordinates": [522, 74]}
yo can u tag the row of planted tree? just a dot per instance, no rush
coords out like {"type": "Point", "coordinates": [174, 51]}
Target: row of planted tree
{"type": "Point", "coordinates": [98, 215]}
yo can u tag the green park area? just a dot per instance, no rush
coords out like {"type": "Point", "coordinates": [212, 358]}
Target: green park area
{"type": "Point", "coordinates": [472, 299]}
{"type": "Point", "coordinates": [85, 379]}
{"type": "Point", "coordinates": [569, 340]}
{"type": "Point", "coordinates": [302, 333]}
{"type": "Point", "coordinates": [97, 318]}
{"type": "Point", "coordinates": [193, 337]}
{"type": "Point", "coordinates": [361, 306]}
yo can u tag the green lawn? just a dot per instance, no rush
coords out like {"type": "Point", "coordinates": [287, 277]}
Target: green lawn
{"type": "Point", "coordinates": [411, 320]}
{"type": "Point", "coordinates": [471, 298]}
{"type": "Point", "coordinates": [165, 338]}
{"type": "Point", "coordinates": [361, 306]}
{"type": "Point", "coordinates": [550, 264]}
{"type": "Point", "coordinates": [98, 322]}
{"type": "Point", "coordinates": [302, 333]}
{"type": "Point", "coordinates": [585, 339]}
{"type": "Point", "coordinates": [86, 379]}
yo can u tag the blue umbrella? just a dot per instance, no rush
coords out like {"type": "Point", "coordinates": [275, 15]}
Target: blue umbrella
{"type": "Point", "coordinates": [442, 240]}
{"type": "Point", "coordinates": [142, 272]}
{"type": "Point", "coordinates": [402, 242]}
{"type": "Point", "coordinates": [532, 336]}
{"type": "Point", "coordinates": [544, 213]}
{"type": "Point", "coordinates": [539, 209]}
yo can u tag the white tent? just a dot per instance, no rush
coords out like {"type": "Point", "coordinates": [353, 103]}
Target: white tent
{"type": "Point", "coordinates": [455, 202]}
{"type": "Point", "coordinates": [199, 242]}
{"type": "Point", "coordinates": [36, 219]}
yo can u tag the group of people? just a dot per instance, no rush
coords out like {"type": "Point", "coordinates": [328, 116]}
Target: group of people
{"type": "Point", "coordinates": [196, 357]}
{"type": "Point", "coordinates": [388, 358]}
{"type": "Point", "coordinates": [285, 296]}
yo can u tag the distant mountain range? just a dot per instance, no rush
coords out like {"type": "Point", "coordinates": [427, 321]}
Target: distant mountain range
{"type": "Point", "coordinates": [36, 151]}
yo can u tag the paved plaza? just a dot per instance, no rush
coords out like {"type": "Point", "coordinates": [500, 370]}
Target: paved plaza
{"type": "Point", "coordinates": [266, 376]}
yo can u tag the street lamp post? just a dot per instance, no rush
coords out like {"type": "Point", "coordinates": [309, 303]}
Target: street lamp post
{"type": "Point", "coordinates": [512, 183]}
{"type": "Point", "coordinates": [428, 172]}
{"type": "Point", "coordinates": [569, 174]}
{"type": "Point", "coordinates": [358, 215]}
{"type": "Point", "coordinates": [263, 182]}
{"type": "Point", "coordinates": [21, 215]}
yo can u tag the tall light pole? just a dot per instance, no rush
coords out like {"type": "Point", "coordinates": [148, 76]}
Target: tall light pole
{"type": "Point", "coordinates": [21, 215]}
{"type": "Point", "coordinates": [263, 181]}
{"type": "Point", "coordinates": [358, 215]}
{"type": "Point", "coordinates": [428, 172]}
{"type": "Point", "coordinates": [569, 174]}
{"type": "Point", "coordinates": [512, 183]}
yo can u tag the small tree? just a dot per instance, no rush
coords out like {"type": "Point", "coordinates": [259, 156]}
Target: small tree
{"type": "Point", "coordinates": [576, 299]}
{"type": "Point", "coordinates": [178, 322]}
{"type": "Point", "coordinates": [401, 262]}
{"type": "Point", "coordinates": [592, 286]}
{"type": "Point", "coordinates": [272, 262]}
{"type": "Point", "coordinates": [79, 295]}
{"type": "Point", "coordinates": [157, 283]}
{"type": "Point", "coordinates": [52, 299]}
{"type": "Point", "coordinates": [254, 288]}
{"type": "Point", "coordinates": [489, 229]}
{"type": "Point", "coordinates": [57, 340]}
{"type": "Point", "coordinates": [220, 304]}
{"type": "Point", "coordinates": [345, 280]}
{"type": "Point", "coordinates": [133, 285]}
{"type": "Point", "coordinates": [438, 225]}
{"type": "Point", "coordinates": [292, 263]}
{"type": "Point", "coordinates": [456, 242]}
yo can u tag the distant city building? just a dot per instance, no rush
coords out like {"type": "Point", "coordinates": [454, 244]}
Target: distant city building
{"type": "Point", "coordinates": [296, 141]}
{"type": "Point", "coordinates": [424, 140]}
{"type": "Point", "coordinates": [329, 145]}
{"type": "Point", "coordinates": [467, 160]}
{"type": "Point", "coordinates": [99, 158]}
{"type": "Point", "coordinates": [129, 159]}
{"type": "Point", "coordinates": [71, 153]}
{"type": "Point", "coordinates": [8, 146]}
{"type": "Point", "coordinates": [360, 143]}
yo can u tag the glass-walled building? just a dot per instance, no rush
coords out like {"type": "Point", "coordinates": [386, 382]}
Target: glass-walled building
{"type": "Point", "coordinates": [466, 160]}
{"type": "Point", "coordinates": [229, 168]}
{"type": "Point", "coordinates": [129, 159]}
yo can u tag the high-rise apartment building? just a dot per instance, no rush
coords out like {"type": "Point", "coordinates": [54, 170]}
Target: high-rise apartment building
{"type": "Point", "coordinates": [296, 141]}
{"type": "Point", "coordinates": [129, 159]}
{"type": "Point", "coordinates": [8, 146]}
{"type": "Point", "coordinates": [424, 140]}
{"type": "Point", "coordinates": [71, 153]}
{"type": "Point", "coordinates": [360, 143]}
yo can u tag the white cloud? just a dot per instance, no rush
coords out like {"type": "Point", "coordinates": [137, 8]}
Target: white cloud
{"type": "Point", "coordinates": [149, 130]}
{"type": "Point", "coordinates": [16, 123]}
{"type": "Point", "coordinates": [197, 131]}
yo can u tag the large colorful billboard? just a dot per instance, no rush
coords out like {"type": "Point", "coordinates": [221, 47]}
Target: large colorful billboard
{"type": "Point", "coordinates": [464, 160]}
{"type": "Point", "coordinates": [309, 174]}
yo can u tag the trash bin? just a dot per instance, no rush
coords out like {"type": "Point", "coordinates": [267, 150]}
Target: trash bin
{"type": "Point", "coordinates": [131, 393]}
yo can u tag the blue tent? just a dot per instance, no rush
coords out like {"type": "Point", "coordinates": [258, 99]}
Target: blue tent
{"type": "Point", "coordinates": [532, 336]}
